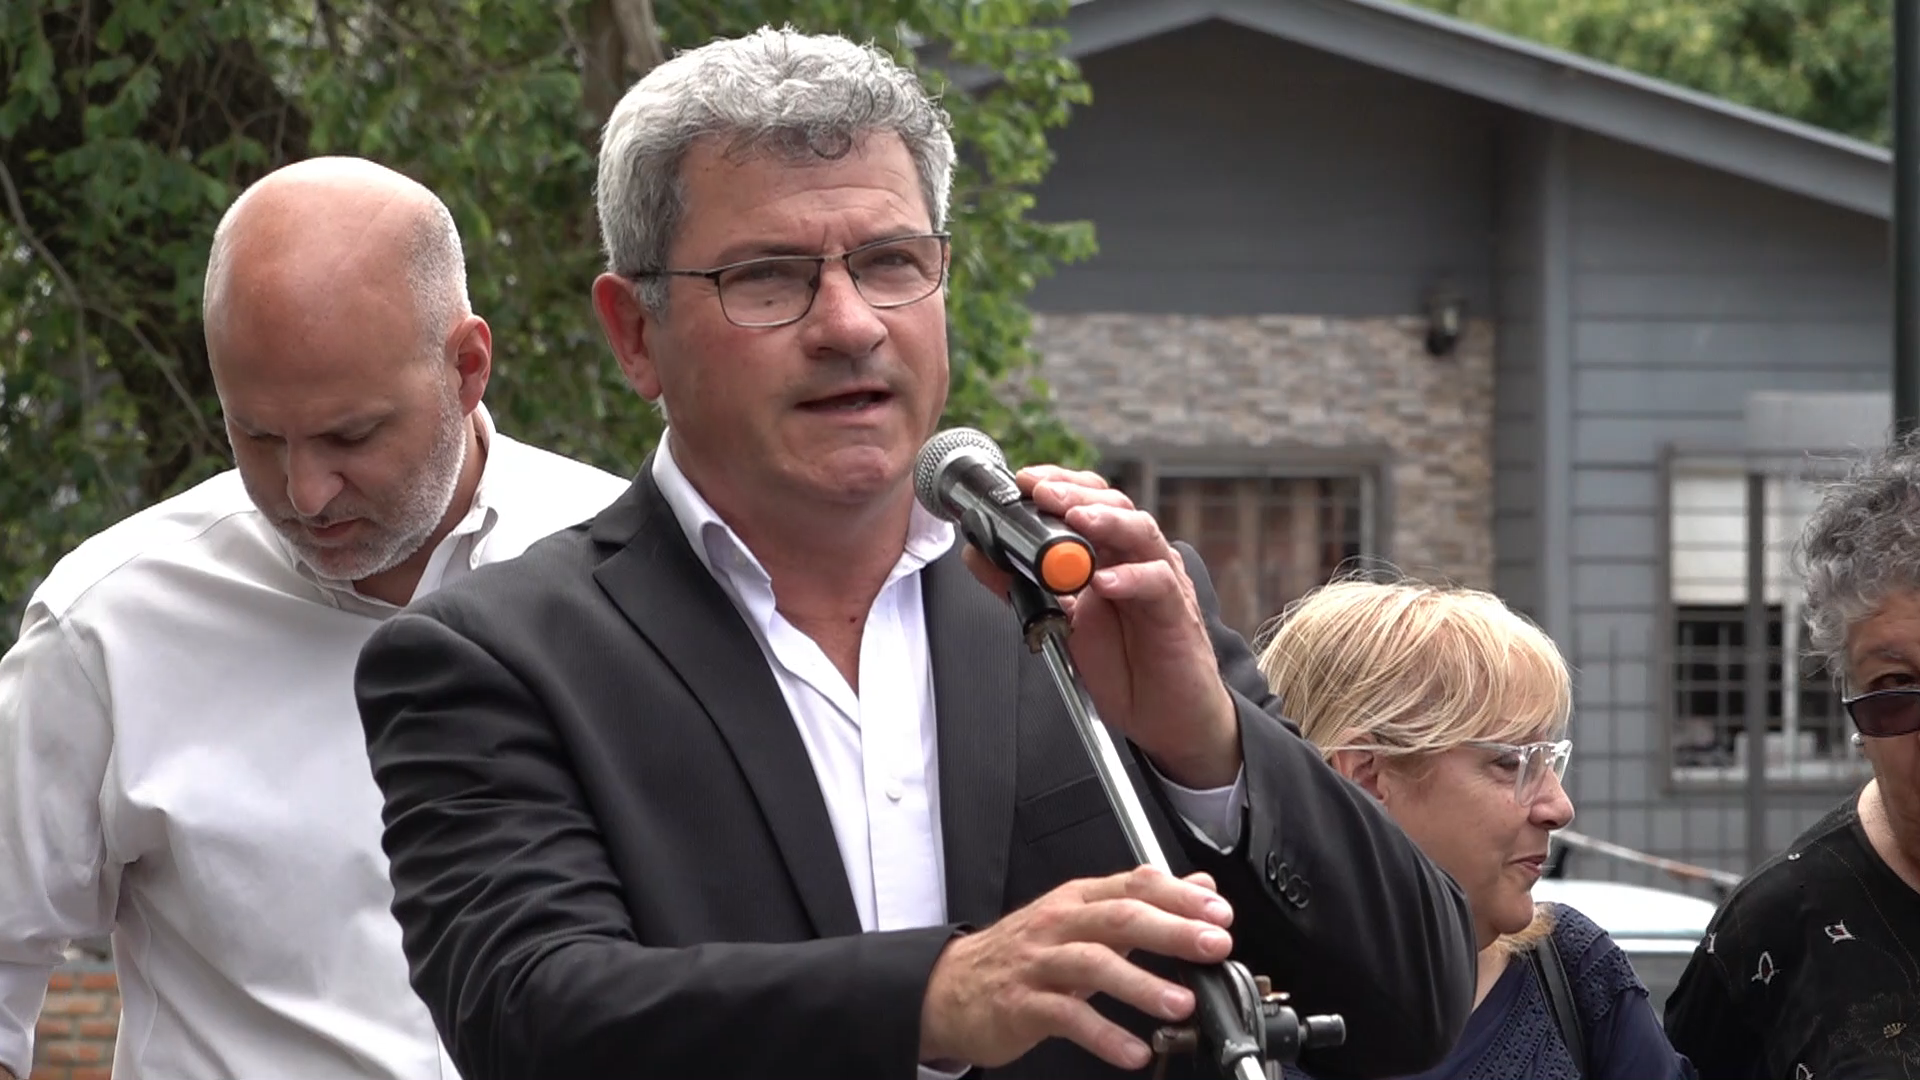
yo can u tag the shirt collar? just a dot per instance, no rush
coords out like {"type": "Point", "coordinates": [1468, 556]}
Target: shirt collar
{"type": "Point", "coordinates": [476, 523]}
{"type": "Point", "coordinates": [722, 552]}
{"type": "Point", "coordinates": [481, 513]}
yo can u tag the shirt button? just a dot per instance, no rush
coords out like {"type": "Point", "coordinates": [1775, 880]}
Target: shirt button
{"type": "Point", "coordinates": [895, 793]}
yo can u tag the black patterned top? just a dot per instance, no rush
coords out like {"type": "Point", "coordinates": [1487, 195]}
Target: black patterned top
{"type": "Point", "coordinates": [1808, 971]}
{"type": "Point", "coordinates": [1512, 1034]}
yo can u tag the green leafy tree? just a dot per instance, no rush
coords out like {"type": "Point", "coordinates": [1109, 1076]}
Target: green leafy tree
{"type": "Point", "coordinates": [127, 127]}
{"type": "Point", "coordinates": [1824, 62]}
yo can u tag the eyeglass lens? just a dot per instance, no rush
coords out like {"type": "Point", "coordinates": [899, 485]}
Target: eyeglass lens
{"type": "Point", "coordinates": [1886, 714]}
{"type": "Point", "coordinates": [892, 274]}
{"type": "Point", "coordinates": [1536, 762]}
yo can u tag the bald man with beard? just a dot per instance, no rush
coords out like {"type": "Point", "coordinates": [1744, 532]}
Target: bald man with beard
{"type": "Point", "coordinates": [181, 759]}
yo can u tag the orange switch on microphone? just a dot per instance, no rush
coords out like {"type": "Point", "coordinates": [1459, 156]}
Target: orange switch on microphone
{"type": "Point", "coordinates": [1066, 567]}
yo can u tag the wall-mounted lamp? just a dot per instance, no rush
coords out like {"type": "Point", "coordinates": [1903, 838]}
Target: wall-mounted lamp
{"type": "Point", "coordinates": [1446, 315]}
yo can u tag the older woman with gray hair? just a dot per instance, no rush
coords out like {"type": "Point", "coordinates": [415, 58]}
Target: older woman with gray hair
{"type": "Point", "coordinates": [1812, 968]}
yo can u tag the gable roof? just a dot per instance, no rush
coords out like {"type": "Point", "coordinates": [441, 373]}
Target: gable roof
{"type": "Point", "coordinates": [1527, 77]}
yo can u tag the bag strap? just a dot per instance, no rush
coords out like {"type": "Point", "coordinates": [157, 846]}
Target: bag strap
{"type": "Point", "coordinates": [1552, 973]}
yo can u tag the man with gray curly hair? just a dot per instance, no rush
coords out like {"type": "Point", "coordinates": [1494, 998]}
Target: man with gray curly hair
{"type": "Point", "coordinates": [763, 781]}
{"type": "Point", "coordinates": [1808, 969]}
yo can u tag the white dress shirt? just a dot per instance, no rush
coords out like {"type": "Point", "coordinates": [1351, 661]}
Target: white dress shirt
{"type": "Point", "coordinates": [874, 751]}
{"type": "Point", "coordinates": [182, 763]}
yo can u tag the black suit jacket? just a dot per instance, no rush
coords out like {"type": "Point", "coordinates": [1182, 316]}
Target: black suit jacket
{"type": "Point", "coordinates": [611, 857]}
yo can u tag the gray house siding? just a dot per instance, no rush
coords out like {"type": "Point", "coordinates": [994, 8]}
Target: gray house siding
{"type": "Point", "coordinates": [1233, 173]}
{"type": "Point", "coordinates": [1636, 300]}
{"type": "Point", "coordinates": [1518, 283]}
{"type": "Point", "coordinates": [1271, 221]}
{"type": "Point", "coordinates": [1689, 289]}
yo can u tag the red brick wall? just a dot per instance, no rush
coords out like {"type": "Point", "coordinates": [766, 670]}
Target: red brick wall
{"type": "Point", "coordinates": [74, 1040]}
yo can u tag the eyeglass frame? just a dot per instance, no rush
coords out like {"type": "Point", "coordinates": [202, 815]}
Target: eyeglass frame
{"type": "Point", "coordinates": [1562, 749]}
{"type": "Point", "coordinates": [819, 273]}
{"type": "Point", "coordinates": [1848, 703]}
{"type": "Point", "coordinates": [1559, 750]}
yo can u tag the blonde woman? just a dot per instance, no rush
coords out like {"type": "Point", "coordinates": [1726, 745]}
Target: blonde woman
{"type": "Point", "coordinates": [1452, 711]}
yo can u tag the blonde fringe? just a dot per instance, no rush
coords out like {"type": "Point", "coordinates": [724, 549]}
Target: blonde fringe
{"type": "Point", "coordinates": [1413, 669]}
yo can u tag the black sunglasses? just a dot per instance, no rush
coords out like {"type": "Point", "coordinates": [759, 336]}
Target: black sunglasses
{"type": "Point", "coordinates": [1885, 714]}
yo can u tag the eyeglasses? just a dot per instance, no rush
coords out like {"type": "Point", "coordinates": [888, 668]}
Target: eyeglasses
{"type": "Point", "coordinates": [1885, 714]}
{"type": "Point", "coordinates": [779, 289]}
{"type": "Point", "coordinates": [1531, 763]}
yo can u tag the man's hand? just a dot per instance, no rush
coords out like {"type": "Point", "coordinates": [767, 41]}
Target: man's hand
{"type": "Point", "coordinates": [995, 994]}
{"type": "Point", "coordinates": [1139, 639]}
{"type": "Point", "coordinates": [6, 1074]}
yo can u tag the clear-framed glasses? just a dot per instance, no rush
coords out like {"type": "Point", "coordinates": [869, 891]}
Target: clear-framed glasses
{"type": "Point", "coordinates": [1885, 714]}
{"type": "Point", "coordinates": [1531, 764]}
{"type": "Point", "coordinates": [779, 289]}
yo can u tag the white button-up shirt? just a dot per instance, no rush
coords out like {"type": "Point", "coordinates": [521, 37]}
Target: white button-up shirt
{"type": "Point", "coordinates": [182, 763]}
{"type": "Point", "coordinates": [875, 751]}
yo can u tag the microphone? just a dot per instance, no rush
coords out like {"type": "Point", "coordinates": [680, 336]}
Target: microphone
{"type": "Point", "coordinates": [961, 476]}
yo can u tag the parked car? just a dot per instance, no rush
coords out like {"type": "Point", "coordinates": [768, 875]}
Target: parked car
{"type": "Point", "coordinates": [1658, 928]}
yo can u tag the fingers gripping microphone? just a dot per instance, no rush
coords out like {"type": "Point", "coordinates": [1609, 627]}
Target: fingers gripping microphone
{"type": "Point", "coordinates": [961, 476]}
{"type": "Point", "coordinates": [1240, 1026]}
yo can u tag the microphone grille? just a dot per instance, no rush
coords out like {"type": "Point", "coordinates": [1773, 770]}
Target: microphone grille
{"type": "Point", "coordinates": [933, 456]}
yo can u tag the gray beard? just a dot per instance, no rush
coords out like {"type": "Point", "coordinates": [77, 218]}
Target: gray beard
{"type": "Point", "coordinates": [429, 496]}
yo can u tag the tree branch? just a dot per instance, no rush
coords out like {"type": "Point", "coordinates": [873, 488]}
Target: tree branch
{"type": "Point", "coordinates": [165, 364]}
{"type": "Point", "coordinates": [82, 364]}
{"type": "Point", "coordinates": [622, 44]}
{"type": "Point", "coordinates": [642, 34]}
{"type": "Point", "coordinates": [83, 368]}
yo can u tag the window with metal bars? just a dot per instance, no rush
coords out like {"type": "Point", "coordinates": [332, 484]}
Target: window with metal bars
{"type": "Point", "coordinates": [1267, 538]}
{"type": "Point", "coordinates": [1710, 692]}
{"type": "Point", "coordinates": [1704, 649]}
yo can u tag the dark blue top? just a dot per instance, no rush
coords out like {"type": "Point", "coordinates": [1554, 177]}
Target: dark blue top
{"type": "Point", "coordinates": [1512, 1033]}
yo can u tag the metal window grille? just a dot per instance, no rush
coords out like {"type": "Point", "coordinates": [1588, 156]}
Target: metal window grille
{"type": "Point", "coordinates": [1267, 537]}
{"type": "Point", "coordinates": [1709, 568]}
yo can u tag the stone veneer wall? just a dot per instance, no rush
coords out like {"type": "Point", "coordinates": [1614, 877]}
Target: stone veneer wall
{"type": "Point", "coordinates": [1254, 388]}
{"type": "Point", "coordinates": [75, 1035]}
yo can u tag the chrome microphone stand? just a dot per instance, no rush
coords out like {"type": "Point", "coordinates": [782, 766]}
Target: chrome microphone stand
{"type": "Point", "coordinates": [1245, 1028]}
